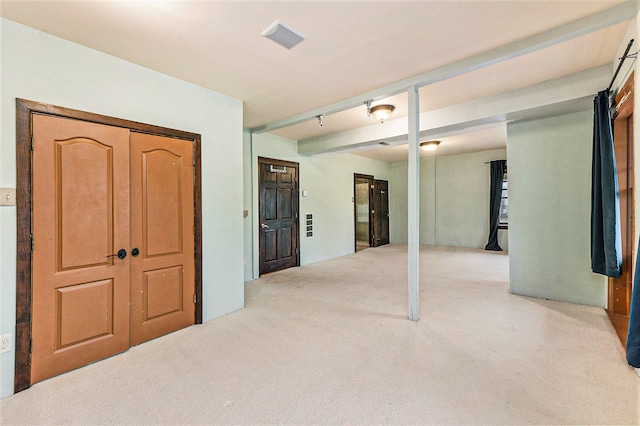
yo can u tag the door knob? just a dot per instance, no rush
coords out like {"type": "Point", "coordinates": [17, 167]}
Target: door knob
{"type": "Point", "coordinates": [135, 252]}
{"type": "Point", "coordinates": [263, 226]}
{"type": "Point", "coordinates": [122, 253]}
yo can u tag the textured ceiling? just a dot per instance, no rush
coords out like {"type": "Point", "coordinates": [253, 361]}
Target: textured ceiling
{"type": "Point", "coordinates": [351, 47]}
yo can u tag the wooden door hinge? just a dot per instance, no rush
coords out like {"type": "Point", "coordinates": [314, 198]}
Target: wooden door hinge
{"type": "Point", "coordinates": [32, 242]}
{"type": "Point", "coordinates": [195, 298]}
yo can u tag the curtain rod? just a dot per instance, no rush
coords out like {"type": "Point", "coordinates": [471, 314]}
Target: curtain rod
{"type": "Point", "coordinates": [622, 59]}
{"type": "Point", "coordinates": [489, 162]}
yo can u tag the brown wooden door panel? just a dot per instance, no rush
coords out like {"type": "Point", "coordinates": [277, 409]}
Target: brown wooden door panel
{"type": "Point", "coordinates": [80, 217]}
{"type": "Point", "coordinates": [285, 246]}
{"type": "Point", "coordinates": [162, 275]}
{"type": "Point", "coordinates": [278, 189]}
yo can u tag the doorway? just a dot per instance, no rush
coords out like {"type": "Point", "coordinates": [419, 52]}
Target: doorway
{"type": "Point", "coordinates": [620, 289]}
{"type": "Point", "coordinates": [278, 215]}
{"type": "Point", "coordinates": [363, 194]}
{"type": "Point", "coordinates": [109, 241]}
{"type": "Point", "coordinates": [371, 211]}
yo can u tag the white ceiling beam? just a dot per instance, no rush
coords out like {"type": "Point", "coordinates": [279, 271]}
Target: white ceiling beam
{"type": "Point", "coordinates": [526, 102]}
{"type": "Point", "coordinates": [620, 13]}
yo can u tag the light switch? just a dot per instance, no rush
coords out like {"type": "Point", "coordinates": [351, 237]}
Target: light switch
{"type": "Point", "coordinates": [304, 193]}
{"type": "Point", "coordinates": [7, 196]}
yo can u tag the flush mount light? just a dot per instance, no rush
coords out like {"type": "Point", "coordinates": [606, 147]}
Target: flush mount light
{"type": "Point", "coordinates": [283, 34]}
{"type": "Point", "coordinates": [382, 112]}
{"type": "Point", "coordinates": [429, 145]}
{"type": "Point", "coordinates": [379, 112]}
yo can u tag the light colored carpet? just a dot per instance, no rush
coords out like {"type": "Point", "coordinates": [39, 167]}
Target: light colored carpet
{"type": "Point", "coordinates": [329, 343]}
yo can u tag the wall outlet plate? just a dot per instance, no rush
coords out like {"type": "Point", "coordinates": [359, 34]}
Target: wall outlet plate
{"type": "Point", "coordinates": [7, 196]}
{"type": "Point", "coordinates": [5, 343]}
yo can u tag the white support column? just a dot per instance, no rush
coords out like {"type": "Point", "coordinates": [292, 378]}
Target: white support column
{"type": "Point", "coordinates": [414, 204]}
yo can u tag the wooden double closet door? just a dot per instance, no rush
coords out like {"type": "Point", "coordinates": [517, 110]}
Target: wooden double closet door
{"type": "Point", "coordinates": [113, 241]}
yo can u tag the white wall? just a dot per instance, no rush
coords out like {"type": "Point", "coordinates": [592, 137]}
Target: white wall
{"type": "Point", "coordinates": [550, 210]}
{"type": "Point", "coordinates": [40, 67]}
{"type": "Point", "coordinates": [454, 200]}
{"type": "Point", "coordinates": [328, 180]}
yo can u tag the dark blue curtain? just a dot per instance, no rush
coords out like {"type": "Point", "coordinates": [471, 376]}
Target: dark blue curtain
{"type": "Point", "coordinates": [633, 336]}
{"type": "Point", "coordinates": [606, 243]}
{"type": "Point", "coordinates": [497, 176]}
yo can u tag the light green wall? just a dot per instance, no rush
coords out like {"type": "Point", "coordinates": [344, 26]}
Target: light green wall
{"type": "Point", "coordinates": [40, 67]}
{"type": "Point", "coordinates": [328, 180]}
{"type": "Point", "coordinates": [454, 200]}
{"type": "Point", "coordinates": [398, 202]}
{"type": "Point", "coordinates": [550, 210]}
{"type": "Point", "coordinates": [248, 204]}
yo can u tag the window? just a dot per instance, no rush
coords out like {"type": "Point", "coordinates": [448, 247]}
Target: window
{"type": "Point", "coordinates": [503, 218]}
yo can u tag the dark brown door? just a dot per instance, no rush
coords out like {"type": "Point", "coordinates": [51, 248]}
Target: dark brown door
{"type": "Point", "coordinates": [278, 216]}
{"type": "Point", "coordinates": [380, 212]}
{"type": "Point", "coordinates": [80, 219]}
{"type": "Point", "coordinates": [162, 266]}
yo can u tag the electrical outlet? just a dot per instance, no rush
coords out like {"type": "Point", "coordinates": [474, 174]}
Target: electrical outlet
{"type": "Point", "coordinates": [5, 343]}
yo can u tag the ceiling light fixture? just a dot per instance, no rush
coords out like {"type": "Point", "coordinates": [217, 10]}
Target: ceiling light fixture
{"type": "Point", "coordinates": [379, 112]}
{"type": "Point", "coordinates": [382, 112]}
{"type": "Point", "coordinates": [429, 145]}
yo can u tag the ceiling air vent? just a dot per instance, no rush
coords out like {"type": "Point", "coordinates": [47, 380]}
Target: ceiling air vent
{"type": "Point", "coordinates": [283, 34]}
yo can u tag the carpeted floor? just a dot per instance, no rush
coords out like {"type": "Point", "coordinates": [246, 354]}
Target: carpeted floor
{"type": "Point", "coordinates": [329, 343]}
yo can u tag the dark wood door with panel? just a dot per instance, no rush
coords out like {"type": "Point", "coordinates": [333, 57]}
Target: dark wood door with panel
{"type": "Point", "coordinates": [380, 212]}
{"type": "Point", "coordinates": [278, 215]}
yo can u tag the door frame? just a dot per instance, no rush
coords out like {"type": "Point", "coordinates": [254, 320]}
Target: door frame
{"type": "Point", "coordinates": [619, 289]}
{"type": "Point", "coordinates": [293, 165]}
{"type": "Point", "coordinates": [24, 112]}
{"type": "Point", "coordinates": [371, 180]}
